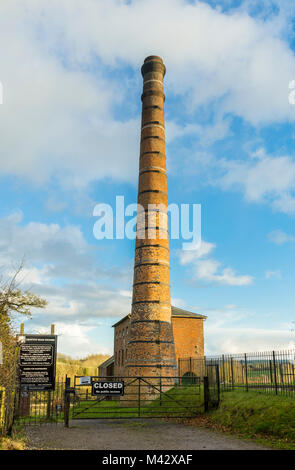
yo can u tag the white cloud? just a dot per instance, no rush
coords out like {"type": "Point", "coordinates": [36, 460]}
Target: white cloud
{"type": "Point", "coordinates": [262, 178]}
{"type": "Point", "coordinates": [189, 256]}
{"type": "Point", "coordinates": [75, 341]}
{"type": "Point", "coordinates": [58, 113]}
{"type": "Point", "coordinates": [240, 340]}
{"type": "Point", "coordinates": [273, 274]}
{"type": "Point", "coordinates": [209, 269]}
{"type": "Point", "coordinates": [63, 268]}
{"type": "Point", "coordinates": [279, 237]}
{"type": "Point", "coordinates": [234, 330]}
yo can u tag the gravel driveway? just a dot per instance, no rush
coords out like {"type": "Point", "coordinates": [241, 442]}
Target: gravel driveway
{"type": "Point", "coordinates": [148, 434]}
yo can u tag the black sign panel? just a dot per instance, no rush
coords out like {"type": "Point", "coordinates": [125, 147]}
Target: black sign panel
{"type": "Point", "coordinates": [37, 362]}
{"type": "Point", "coordinates": [107, 388]}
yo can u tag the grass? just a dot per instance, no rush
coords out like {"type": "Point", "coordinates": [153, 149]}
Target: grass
{"type": "Point", "coordinates": [17, 441]}
{"type": "Point", "coordinates": [269, 419]}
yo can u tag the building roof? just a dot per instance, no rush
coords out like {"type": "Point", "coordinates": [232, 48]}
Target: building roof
{"type": "Point", "coordinates": [122, 319]}
{"type": "Point", "coordinates": [179, 312]}
{"type": "Point", "coordinates": [176, 312]}
{"type": "Point", "coordinates": [107, 363]}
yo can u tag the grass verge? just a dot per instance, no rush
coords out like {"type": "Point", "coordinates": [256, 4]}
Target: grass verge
{"type": "Point", "coordinates": [269, 419]}
{"type": "Point", "coordinates": [17, 441]}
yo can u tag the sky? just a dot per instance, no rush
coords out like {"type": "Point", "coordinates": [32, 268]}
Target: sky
{"type": "Point", "coordinates": [69, 139]}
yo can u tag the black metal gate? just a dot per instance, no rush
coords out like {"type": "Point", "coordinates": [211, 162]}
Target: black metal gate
{"type": "Point", "coordinates": [37, 407]}
{"type": "Point", "coordinates": [144, 397]}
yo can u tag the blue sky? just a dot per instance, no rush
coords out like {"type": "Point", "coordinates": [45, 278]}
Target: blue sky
{"type": "Point", "coordinates": [69, 139]}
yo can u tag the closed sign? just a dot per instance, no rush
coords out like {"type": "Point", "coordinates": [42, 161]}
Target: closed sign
{"type": "Point", "coordinates": [107, 388]}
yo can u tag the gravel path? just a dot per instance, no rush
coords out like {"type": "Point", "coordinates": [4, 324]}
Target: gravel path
{"type": "Point", "coordinates": [131, 435]}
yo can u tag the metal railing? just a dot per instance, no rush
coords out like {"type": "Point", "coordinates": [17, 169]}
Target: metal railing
{"type": "Point", "coordinates": [268, 372]}
{"type": "Point", "coordinates": [37, 407]}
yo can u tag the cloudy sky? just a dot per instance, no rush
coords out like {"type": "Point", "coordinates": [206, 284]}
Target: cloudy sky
{"type": "Point", "coordinates": [69, 139]}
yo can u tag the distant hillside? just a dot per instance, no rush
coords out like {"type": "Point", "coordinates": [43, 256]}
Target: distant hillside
{"type": "Point", "coordinates": [66, 365]}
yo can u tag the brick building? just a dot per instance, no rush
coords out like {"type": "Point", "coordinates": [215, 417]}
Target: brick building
{"type": "Point", "coordinates": [188, 333]}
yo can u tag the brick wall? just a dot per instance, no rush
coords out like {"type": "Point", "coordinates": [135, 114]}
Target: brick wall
{"type": "Point", "coordinates": [121, 335]}
{"type": "Point", "coordinates": [188, 337]}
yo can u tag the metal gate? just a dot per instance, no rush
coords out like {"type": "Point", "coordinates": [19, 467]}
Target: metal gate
{"type": "Point", "coordinates": [144, 397]}
{"type": "Point", "coordinates": [37, 407]}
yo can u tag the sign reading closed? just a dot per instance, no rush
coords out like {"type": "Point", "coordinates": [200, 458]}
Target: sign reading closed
{"type": "Point", "coordinates": [107, 388]}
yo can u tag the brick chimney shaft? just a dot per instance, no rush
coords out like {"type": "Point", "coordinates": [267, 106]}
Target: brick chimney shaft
{"type": "Point", "coordinates": [151, 347]}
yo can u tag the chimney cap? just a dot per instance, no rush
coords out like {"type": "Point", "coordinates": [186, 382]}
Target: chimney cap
{"type": "Point", "coordinates": [153, 58]}
{"type": "Point", "coordinates": [153, 63]}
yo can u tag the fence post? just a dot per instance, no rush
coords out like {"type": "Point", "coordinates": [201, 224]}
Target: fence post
{"type": "Point", "coordinates": [274, 371]}
{"type": "Point", "coordinates": [232, 373]}
{"type": "Point", "coordinates": [246, 373]}
{"type": "Point", "coordinates": [206, 394]}
{"type": "Point", "coordinates": [160, 390]}
{"type": "Point", "coordinates": [67, 402]}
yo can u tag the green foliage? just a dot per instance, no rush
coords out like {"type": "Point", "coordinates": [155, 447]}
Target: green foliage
{"type": "Point", "coordinates": [66, 365]}
{"type": "Point", "coordinates": [258, 415]}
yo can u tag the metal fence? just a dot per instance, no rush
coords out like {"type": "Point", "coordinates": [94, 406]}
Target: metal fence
{"type": "Point", "coordinates": [37, 407]}
{"type": "Point", "coordinates": [144, 397]}
{"type": "Point", "coordinates": [268, 372]}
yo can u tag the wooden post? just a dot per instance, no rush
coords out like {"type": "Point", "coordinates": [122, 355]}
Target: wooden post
{"type": "Point", "coordinates": [52, 329]}
{"type": "Point", "coordinates": [22, 328]}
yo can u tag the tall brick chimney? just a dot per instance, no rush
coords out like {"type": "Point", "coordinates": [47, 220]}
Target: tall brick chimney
{"type": "Point", "coordinates": [151, 346]}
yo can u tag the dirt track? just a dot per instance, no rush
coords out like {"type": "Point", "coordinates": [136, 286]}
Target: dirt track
{"type": "Point", "coordinates": [142, 434]}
